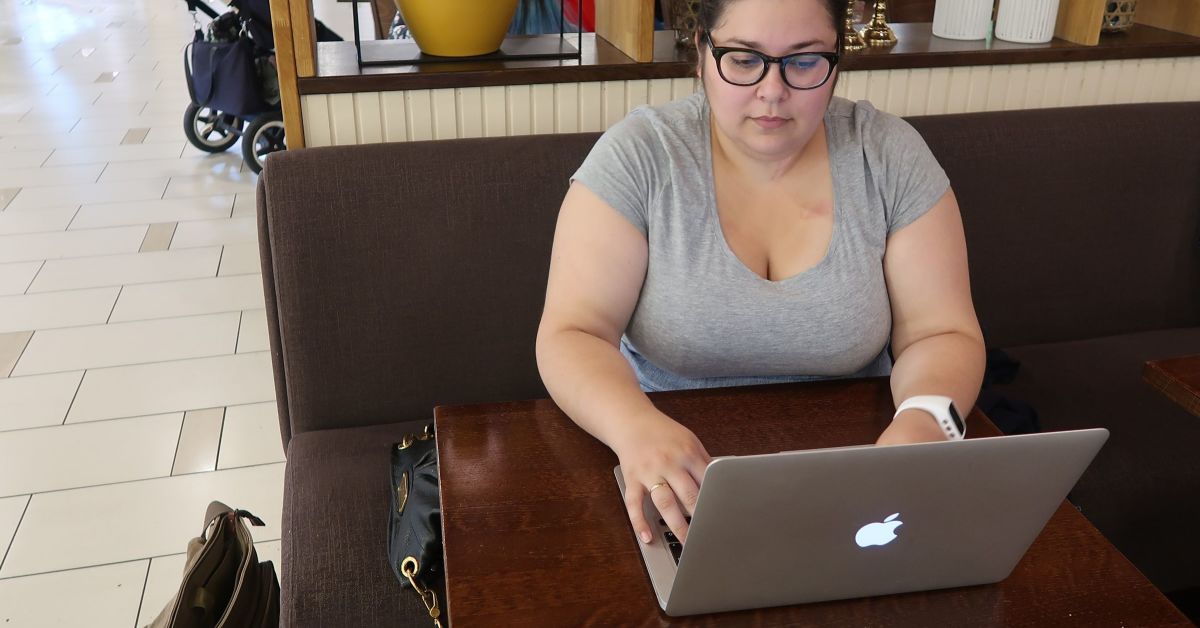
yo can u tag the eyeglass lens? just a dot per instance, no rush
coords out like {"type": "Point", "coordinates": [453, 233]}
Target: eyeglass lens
{"type": "Point", "coordinates": [800, 71]}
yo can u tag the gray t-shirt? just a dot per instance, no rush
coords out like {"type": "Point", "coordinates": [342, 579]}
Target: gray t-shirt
{"type": "Point", "coordinates": [703, 319]}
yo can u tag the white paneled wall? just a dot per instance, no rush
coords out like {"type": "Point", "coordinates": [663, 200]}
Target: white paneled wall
{"type": "Point", "coordinates": [369, 117]}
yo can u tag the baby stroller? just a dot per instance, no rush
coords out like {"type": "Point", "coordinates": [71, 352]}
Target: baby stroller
{"type": "Point", "coordinates": [233, 83]}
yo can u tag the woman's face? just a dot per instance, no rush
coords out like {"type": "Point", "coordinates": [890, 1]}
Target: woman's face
{"type": "Point", "coordinates": [769, 119]}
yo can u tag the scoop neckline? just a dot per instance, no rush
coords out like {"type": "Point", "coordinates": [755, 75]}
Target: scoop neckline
{"type": "Point", "coordinates": [711, 191]}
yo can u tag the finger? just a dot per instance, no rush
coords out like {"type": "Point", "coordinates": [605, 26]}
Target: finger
{"type": "Point", "coordinates": [668, 506]}
{"type": "Point", "coordinates": [686, 491]}
{"type": "Point", "coordinates": [634, 496]}
{"type": "Point", "coordinates": [697, 468]}
{"type": "Point", "coordinates": [698, 464]}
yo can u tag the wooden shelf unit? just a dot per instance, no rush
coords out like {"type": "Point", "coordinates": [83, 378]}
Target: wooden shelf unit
{"type": "Point", "coordinates": [1079, 21]}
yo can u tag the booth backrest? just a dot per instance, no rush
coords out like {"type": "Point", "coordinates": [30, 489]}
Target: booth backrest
{"type": "Point", "coordinates": [403, 276]}
{"type": "Point", "coordinates": [1081, 222]}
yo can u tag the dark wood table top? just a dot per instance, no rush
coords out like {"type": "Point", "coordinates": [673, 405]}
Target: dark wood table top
{"type": "Point", "coordinates": [1177, 378]}
{"type": "Point", "coordinates": [536, 534]}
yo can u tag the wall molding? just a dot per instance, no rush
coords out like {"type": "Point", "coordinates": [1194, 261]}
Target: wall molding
{"type": "Point", "coordinates": [427, 114]}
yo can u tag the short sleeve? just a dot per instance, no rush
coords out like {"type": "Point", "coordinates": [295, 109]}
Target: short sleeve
{"type": "Point", "coordinates": [623, 167]}
{"type": "Point", "coordinates": [910, 179]}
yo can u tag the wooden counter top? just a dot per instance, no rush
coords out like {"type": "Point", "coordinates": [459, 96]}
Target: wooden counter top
{"type": "Point", "coordinates": [338, 71]}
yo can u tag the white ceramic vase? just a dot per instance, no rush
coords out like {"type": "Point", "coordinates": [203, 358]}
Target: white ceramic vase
{"type": "Point", "coordinates": [1026, 21]}
{"type": "Point", "coordinates": [962, 19]}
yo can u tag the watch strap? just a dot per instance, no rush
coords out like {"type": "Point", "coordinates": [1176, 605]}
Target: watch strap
{"type": "Point", "coordinates": [941, 408]}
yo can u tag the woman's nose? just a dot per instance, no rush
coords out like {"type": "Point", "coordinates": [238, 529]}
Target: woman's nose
{"type": "Point", "coordinates": [772, 88]}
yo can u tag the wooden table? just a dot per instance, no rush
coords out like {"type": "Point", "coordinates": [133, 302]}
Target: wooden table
{"type": "Point", "coordinates": [1177, 378]}
{"type": "Point", "coordinates": [536, 534]}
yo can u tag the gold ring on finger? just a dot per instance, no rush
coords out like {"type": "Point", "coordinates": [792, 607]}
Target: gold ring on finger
{"type": "Point", "coordinates": [657, 486]}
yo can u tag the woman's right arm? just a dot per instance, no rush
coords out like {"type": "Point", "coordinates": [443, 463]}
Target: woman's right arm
{"type": "Point", "coordinates": [597, 268]}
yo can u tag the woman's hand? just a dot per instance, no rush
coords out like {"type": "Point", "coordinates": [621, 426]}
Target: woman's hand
{"type": "Point", "coordinates": [912, 426]}
{"type": "Point", "coordinates": [665, 459]}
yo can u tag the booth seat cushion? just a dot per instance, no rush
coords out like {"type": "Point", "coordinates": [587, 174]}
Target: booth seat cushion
{"type": "Point", "coordinates": [335, 513]}
{"type": "Point", "coordinates": [1141, 489]}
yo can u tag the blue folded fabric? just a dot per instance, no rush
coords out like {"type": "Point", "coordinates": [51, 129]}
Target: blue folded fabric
{"type": "Point", "coordinates": [539, 17]}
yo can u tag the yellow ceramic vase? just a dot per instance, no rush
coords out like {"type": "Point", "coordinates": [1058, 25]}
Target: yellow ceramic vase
{"type": "Point", "coordinates": [458, 28]}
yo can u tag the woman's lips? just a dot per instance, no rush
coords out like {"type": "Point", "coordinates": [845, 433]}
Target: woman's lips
{"type": "Point", "coordinates": [769, 122]}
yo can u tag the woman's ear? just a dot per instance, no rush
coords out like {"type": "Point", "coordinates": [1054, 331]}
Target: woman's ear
{"type": "Point", "coordinates": [699, 56]}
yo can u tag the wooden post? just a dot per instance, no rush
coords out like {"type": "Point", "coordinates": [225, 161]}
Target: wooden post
{"type": "Point", "coordinates": [628, 25]}
{"type": "Point", "coordinates": [1079, 21]}
{"type": "Point", "coordinates": [285, 65]}
{"type": "Point", "coordinates": [304, 36]}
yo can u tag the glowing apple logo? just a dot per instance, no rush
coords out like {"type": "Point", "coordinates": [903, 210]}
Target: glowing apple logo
{"type": "Point", "coordinates": [878, 533]}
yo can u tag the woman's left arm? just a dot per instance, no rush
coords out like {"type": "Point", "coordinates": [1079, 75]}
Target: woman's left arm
{"type": "Point", "coordinates": [936, 340]}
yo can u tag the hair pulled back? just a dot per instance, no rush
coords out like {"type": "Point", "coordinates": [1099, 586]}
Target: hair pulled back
{"type": "Point", "coordinates": [709, 13]}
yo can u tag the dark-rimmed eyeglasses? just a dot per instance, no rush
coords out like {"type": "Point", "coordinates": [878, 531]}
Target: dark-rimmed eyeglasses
{"type": "Point", "coordinates": [745, 67]}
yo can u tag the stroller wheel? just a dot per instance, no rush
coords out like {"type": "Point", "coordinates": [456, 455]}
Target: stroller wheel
{"type": "Point", "coordinates": [263, 136]}
{"type": "Point", "coordinates": [210, 130]}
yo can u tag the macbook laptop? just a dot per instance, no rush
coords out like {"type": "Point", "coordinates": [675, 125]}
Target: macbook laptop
{"type": "Point", "coordinates": [829, 524]}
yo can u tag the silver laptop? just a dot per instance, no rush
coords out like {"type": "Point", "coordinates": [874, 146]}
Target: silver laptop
{"type": "Point", "coordinates": [829, 524]}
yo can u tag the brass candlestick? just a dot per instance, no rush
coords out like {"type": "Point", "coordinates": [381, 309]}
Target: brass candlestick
{"type": "Point", "coordinates": [851, 40]}
{"type": "Point", "coordinates": [878, 33]}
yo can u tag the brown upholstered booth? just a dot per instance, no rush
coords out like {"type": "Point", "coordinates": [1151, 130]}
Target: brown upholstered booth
{"type": "Point", "coordinates": [403, 276]}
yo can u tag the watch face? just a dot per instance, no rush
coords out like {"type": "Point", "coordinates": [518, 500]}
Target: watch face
{"type": "Point", "coordinates": [958, 422]}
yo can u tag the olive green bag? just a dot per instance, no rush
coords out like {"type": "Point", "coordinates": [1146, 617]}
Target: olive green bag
{"type": "Point", "coordinates": [224, 585]}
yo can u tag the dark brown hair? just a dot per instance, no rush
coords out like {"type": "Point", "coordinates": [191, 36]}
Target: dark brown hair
{"type": "Point", "coordinates": [709, 12]}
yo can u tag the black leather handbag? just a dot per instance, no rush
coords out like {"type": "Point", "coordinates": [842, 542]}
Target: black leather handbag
{"type": "Point", "coordinates": [415, 519]}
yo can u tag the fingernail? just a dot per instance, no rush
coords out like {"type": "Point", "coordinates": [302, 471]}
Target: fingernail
{"type": "Point", "coordinates": [645, 536]}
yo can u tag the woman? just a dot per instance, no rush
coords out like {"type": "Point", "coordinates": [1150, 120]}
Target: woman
{"type": "Point", "coordinates": [760, 231]}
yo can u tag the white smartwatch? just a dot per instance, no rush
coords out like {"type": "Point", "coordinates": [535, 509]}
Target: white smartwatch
{"type": "Point", "coordinates": [943, 411]}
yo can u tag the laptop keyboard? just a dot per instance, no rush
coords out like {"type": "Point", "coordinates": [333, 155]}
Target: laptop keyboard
{"type": "Point", "coordinates": [673, 541]}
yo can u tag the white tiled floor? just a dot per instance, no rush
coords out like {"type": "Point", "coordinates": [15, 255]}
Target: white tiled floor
{"type": "Point", "coordinates": [126, 269]}
{"type": "Point", "coordinates": [42, 220]}
{"type": "Point", "coordinates": [183, 298]}
{"type": "Point", "coordinates": [140, 385]}
{"type": "Point", "coordinates": [91, 216]}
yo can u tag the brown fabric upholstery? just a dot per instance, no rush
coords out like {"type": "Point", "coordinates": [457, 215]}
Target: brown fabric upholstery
{"type": "Point", "coordinates": [1141, 489]}
{"type": "Point", "coordinates": [406, 276]}
{"type": "Point", "coordinates": [403, 276]}
{"type": "Point", "coordinates": [1080, 222]}
{"type": "Point", "coordinates": [335, 511]}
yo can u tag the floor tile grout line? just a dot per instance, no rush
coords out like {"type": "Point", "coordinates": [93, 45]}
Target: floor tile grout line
{"type": "Point", "coordinates": [102, 170]}
{"type": "Point", "coordinates": [163, 197]}
{"type": "Point", "coordinates": [119, 562]}
{"type": "Point", "coordinates": [178, 441]}
{"type": "Point", "coordinates": [28, 341]}
{"type": "Point", "coordinates": [139, 320]}
{"type": "Point", "coordinates": [78, 208]}
{"type": "Point", "coordinates": [12, 198]}
{"type": "Point", "coordinates": [136, 416]}
{"type": "Point", "coordinates": [128, 253]}
{"type": "Point", "coordinates": [237, 338]}
{"type": "Point", "coordinates": [220, 438]}
{"type": "Point", "coordinates": [142, 597]}
{"type": "Point", "coordinates": [151, 363]}
{"type": "Point", "coordinates": [114, 305]}
{"type": "Point", "coordinates": [220, 258]}
{"type": "Point", "coordinates": [154, 478]}
{"type": "Point", "coordinates": [33, 279]}
{"type": "Point", "coordinates": [78, 387]}
{"type": "Point", "coordinates": [17, 529]}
